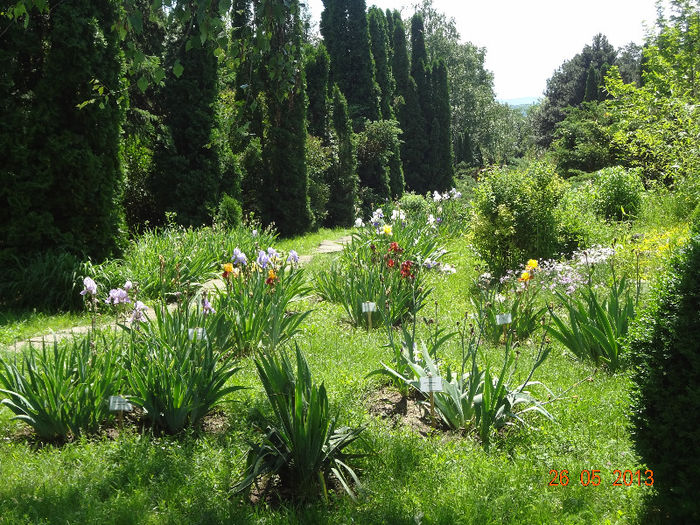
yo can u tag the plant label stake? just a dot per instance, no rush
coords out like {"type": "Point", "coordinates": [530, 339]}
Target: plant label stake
{"type": "Point", "coordinates": [504, 319]}
{"type": "Point", "coordinates": [199, 333]}
{"type": "Point", "coordinates": [368, 308]}
{"type": "Point", "coordinates": [119, 405]}
{"type": "Point", "coordinates": [431, 385]}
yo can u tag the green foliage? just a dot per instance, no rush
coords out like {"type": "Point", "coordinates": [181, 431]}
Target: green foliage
{"type": "Point", "coordinates": [256, 305]}
{"type": "Point", "coordinates": [514, 298]}
{"type": "Point", "coordinates": [385, 270]}
{"type": "Point", "coordinates": [174, 371]}
{"type": "Point", "coordinates": [656, 124]}
{"type": "Point", "coordinates": [377, 145]}
{"type": "Point", "coordinates": [346, 33]}
{"type": "Point", "coordinates": [285, 181]}
{"type": "Point", "coordinates": [414, 205]}
{"type": "Point", "coordinates": [379, 39]}
{"type": "Point", "coordinates": [303, 443]}
{"type": "Point", "coordinates": [63, 390]}
{"type": "Point", "coordinates": [317, 66]}
{"type": "Point", "coordinates": [597, 325]}
{"type": "Point", "coordinates": [567, 86]}
{"type": "Point", "coordinates": [664, 347]}
{"type": "Point", "coordinates": [23, 281]}
{"type": "Point", "coordinates": [229, 213]}
{"type": "Point", "coordinates": [342, 176]}
{"type": "Point", "coordinates": [319, 160]}
{"type": "Point", "coordinates": [476, 398]}
{"type": "Point", "coordinates": [186, 179]}
{"type": "Point", "coordinates": [62, 179]}
{"type": "Point", "coordinates": [442, 175]}
{"type": "Point", "coordinates": [582, 140]}
{"type": "Point", "coordinates": [618, 193]}
{"type": "Point", "coordinates": [514, 216]}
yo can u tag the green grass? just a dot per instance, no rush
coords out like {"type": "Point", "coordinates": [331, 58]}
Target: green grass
{"type": "Point", "coordinates": [408, 477]}
{"type": "Point", "coordinates": [20, 326]}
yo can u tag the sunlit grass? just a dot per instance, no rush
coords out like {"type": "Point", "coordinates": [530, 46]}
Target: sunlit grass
{"type": "Point", "coordinates": [407, 477]}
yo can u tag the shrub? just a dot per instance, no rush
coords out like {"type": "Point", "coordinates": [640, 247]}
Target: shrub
{"type": "Point", "coordinates": [303, 443]}
{"type": "Point", "coordinates": [618, 193]}
{"type": "Point", "coordinates": [513, 216]}
{"type": "Point", "coordinates": [664, 345]}
{"type": "Point", "coordinates": [414, 205]}
{"type": "Point", "coordinates": [229, 213]}
{"type": "Point", "coordinates": [63, 389]}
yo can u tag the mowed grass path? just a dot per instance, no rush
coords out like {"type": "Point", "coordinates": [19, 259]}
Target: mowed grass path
{"type": "Point", "coordinates": [407, 477]}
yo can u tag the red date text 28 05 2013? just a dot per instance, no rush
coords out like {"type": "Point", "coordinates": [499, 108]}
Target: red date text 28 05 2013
{"type": "Point", "coordinates": [619, 478]}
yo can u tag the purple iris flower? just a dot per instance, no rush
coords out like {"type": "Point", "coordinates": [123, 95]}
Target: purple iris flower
{"type": "Point", "coordinates": [293, 257]}
{"type": "Point", "coordinates": [272, 253]}
{"type": "Point", "coordinates": [90, 287]}
{"type": "Point", "coordinates": [239, 258]}
{"type": "Point", "coordinates": [263, 260]}
{"type": "Point", "coordinates": [118, 296]}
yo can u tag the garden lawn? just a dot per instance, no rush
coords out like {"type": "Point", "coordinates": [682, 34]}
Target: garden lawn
{"type": "Point", "coordinates": [407, 477]}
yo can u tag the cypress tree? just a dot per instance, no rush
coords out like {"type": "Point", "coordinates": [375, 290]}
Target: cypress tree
{"type": "Point", "coordinates": [441, 134]}
{"type": "Point", "coordinates": [415, 142]}
{"type": "Point", "coordinates": [342, 179]}
{"type": "Point", "coordinates": [380, 51]}
{"type": "Point", "coordinates": [187, 178]}
{"type": "Point", "coordinates": [346, 34]}
{"type": "Point", "coordinates": [76, 151]}
{"type": "Point", "coordinates": [399, 62]}
{"type": "Point", "coordinates": [396, 180]}
{"type": "Point", "coordinates": [361, 89]}
{"type": "Point", "coordinates": [389, 17]}
{"type": "Point", "coordinates": [334, 30]}
{"type": "Point", "coordinates": [317, 66]}
{"type": "Point", "coordinates": [592, 83]}
{"type": "Point", "coordinates": [419, 62]}
{"type": "Point", "coordinates": [284, 193]}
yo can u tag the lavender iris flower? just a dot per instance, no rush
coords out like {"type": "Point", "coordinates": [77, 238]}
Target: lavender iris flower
{"type": "Point", "coordinates": [239, 258]}
{"type": "Point", "coordinates": [263, 260]}
{"type": "Point", "coordinates": [90, 287]}
{"type": "Point", "coordinates": [293, 257]}
{"type": "Point", "coordinates": [118, 296]}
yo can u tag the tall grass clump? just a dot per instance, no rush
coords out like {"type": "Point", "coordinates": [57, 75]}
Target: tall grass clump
{"type": "Point", "coordinates": [303, 443]}
{"type": "Point", "coordinates": [62, 389]}
{"type": "Point", "coordinates": [175, 369]}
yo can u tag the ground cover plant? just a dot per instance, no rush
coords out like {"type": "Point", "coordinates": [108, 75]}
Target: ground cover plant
{"type": "Point", "coordinates": [481, 435]}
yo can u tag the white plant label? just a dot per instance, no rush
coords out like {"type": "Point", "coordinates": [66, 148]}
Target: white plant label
{"type": "Point", "coordinates": [431, 384]}
{"type": "Point", "coordinates": [119, 404]}
{"type": "Point", "coordinates": [199, 333]}
{"type": "Point", "coordinates": [369, 307]}
{"type": "Point", "coordinates": [504, 319]}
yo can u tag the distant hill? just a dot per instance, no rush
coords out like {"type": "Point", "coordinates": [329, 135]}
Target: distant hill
{"type": "Point", "coordinates": [522, 101]}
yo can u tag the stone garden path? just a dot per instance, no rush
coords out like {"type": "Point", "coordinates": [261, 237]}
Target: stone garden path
{"type": "Point", "coordinates": [326, 246]}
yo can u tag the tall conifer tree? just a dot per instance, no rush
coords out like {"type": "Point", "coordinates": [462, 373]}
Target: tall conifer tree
{"type": "Point", "coordinates": [76, 151]}
{"type": "Point", "coordinates": [400, 64]}
{"type": "Point", "coordinates": [187, 178]}
{"type": "Point", "coordinates": [284, 193]}
{"type": "Point", "coordinates": [343, 179]}
{"type": "Point", "coordinates": [346, 33]}
{"type": "Point", "coordinates": [317, 69]}
{"type": "Point", "coordinates": [441, 133]}
{"type": "Point", "coordinates": [380, 51]}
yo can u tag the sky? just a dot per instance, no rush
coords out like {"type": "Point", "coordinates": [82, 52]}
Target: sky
{"type": "Point", "coordinates": [526, 40]}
